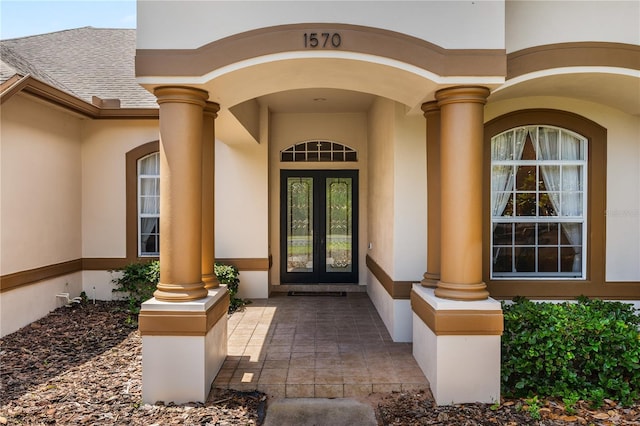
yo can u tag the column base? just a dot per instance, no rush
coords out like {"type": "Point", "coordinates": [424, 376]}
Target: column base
{"type": "Point", "coordinates": [463, 292]}
{"type": "Point", "coordinates": [183, 347]}
{"type": "Point", "coordinates": [457, 346]}
{"type": "Point", "coordinates": [210, 281]}
{"type": "Point", "coordinates": [180, 292]}
{"type": "Point", "coordinates": [430, 280]}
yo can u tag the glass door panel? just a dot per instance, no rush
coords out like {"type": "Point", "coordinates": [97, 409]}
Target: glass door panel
{"type": "Point", "coordinates": [339, 254]}
{"type": "Point", "coordinates": [299, 224]}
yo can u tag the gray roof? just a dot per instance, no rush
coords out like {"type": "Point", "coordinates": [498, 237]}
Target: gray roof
{"type": "Point", "coordinates": [84, 62]}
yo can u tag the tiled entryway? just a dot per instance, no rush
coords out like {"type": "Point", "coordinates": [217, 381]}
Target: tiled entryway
{"type": "Point", "coordinates": [315, 346]}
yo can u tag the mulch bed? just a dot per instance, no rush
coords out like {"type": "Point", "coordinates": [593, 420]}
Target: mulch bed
{"type": "Point", "coordinates": [82, 366]}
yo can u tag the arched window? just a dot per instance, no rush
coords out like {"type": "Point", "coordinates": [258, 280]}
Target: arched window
{"type": "Point", "coordinates": [149, 205]}
{"type": "Point", "coordinates": [142, 202]}
{"type": "Point", "coordinates": [318, 150]}
{"type": "Point", "coordinates": [538, 203]}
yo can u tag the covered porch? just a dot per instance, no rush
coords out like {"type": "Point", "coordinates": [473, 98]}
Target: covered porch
{"type": "Point", "coordinates": [316, 346]}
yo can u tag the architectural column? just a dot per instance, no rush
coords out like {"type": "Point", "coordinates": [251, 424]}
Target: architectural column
{"type": "Point", "coordinates": [181, 116]}
{"type": "Point", "coordinates": [184, 344]}
{"type": "Point", "coordinates": [208, 204]}
{"type": "Point", "coordinates": [432, 115]}
{"type": "Point", "coordinates": [462, 125]}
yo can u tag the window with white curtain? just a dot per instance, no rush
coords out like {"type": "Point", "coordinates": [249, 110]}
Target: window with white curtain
{"type": "Point", "coordinates": [538, 203]}
{"type": "Point", "coordinates": [149, 205]}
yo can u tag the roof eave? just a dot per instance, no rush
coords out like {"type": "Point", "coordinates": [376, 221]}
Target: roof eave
{"type": "Point", "coordinates": [35, 87]}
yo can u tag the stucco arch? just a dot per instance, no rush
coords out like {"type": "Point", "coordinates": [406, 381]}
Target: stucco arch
{"type": "Point", "coordinates": [371, 60]}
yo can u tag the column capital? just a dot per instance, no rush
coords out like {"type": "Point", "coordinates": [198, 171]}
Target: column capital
{"type": "Point", "coordinates": [181, 94]}
{"type": "Point", "coordinates": [430, 107]}
{"type": "Point", "coordinates": [211, 109]}
{"type": "Point", "coordinates": [462, 94]}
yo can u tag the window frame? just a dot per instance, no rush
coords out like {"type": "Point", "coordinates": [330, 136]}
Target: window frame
{"type": "Point", "coordinates": [132, 217]}
{"type": "Point", "coordinates": [593, 283]}
{"type": "Point", "coordinates": [538, 219]}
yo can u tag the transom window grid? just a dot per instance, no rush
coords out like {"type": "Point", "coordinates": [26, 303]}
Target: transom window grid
{"type": "Point", "coordinates": [318, 151]}
{"type": "Point", "coordinates": [149, 205]}
{"type": "Point", "coordinates": [539, 203]}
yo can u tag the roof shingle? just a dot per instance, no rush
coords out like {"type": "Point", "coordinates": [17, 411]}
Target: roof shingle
{"type": "Point", "coordinates": [84, 62]}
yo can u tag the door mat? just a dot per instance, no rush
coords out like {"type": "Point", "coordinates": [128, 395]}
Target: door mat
{"type": "Point", "coordinates": [318, 293]}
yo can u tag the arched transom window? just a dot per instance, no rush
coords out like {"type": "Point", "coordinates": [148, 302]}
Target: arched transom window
{"type": "Point", "coordinates": [538, 203]}
{"type": "Point", "coordinates": [318, 150]}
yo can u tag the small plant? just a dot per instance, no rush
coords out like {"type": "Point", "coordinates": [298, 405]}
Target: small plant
{"type": "Point", "coordinates": [138, 281]}
{"type": "Point", "coordinates": [84, 297]}
{"type": "Point", "coordinates": [533, 408]}
{"type": "Point", "coordinates": [570, 402]}
{"type": "Point", "coordinates": [228, 275]}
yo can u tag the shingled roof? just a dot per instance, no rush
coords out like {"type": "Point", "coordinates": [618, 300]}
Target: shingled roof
{"type": "Point", "coordinates": [83, 62]}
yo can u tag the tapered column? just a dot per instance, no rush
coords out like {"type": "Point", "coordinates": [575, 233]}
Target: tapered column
{"type": "Point", "coordinates": [181, 117]}
{"type": "Point", "coordinates": [432, 115]}
{"type": "Point", "coordinates": [461, 131]}
{"type": "Point", "coordinates": [208, 204]}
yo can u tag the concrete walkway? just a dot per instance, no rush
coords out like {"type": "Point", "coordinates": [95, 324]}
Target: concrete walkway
{"type": "Point", "coordinates": [316, 347]}
{"type": "Point", "coordinates": [319, 412]}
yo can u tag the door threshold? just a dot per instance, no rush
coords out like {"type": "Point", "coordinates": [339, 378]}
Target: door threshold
{"type": "Point", "coordinates": [319, 288]}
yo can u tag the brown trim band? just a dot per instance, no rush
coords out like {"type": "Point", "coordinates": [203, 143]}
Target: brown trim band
{"type": "Point", "coordinates": [289, 38]}
{"type": "Point", "coordinates": [56, 96]}
{"type": "Point", "coordinates": [249, 264]}
{"type": "Point", "coordinates": [573, 54]}
{"type": "Point", "coordinates": [182, 323]}
{"type": "Point", "coordinates": [32, 276]}
{"type": "Point", "coordinates": [396, 289]}
{"type": "Point", "coordinates": [458, 322]}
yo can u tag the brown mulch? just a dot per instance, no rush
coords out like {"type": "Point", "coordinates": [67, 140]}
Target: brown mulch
{"type": "Point", "coordinates": [82, 365]}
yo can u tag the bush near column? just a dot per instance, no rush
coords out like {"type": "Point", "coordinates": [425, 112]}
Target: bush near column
{"type": "Point", "coordinates": [138, 282]}
{"type": "Point", "coordinates": [228, 275]}
{"type": "Point", "coordinates": [589, 350]}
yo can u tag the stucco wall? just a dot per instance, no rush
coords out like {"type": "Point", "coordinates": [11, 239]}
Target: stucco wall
{"type": "Point", "coordinates": [533, 23]}
{"type": "Point", "coordinates": [410, 196]}
{"type": "Point", "coordinates": [449, 24]}
{"type": "Point", "coordinates": [623, 177]}
{"type": "Point", "coordinates": [41, 185]}
{"type": "Point", "coordinates": [346, 128]}
{"type": "Point", "coordinates": [241, 201]}
{"type": "Point", "coordinates": [104, 148]}
{"type": "Point", "coordinates": [381, 183]}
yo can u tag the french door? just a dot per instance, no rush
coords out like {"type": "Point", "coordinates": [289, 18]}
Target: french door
{"type": "Point", "coordinates": [319, 226]}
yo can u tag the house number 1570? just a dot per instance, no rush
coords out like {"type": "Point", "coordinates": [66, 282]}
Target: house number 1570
{"type": "Point", "coordinates": [322, 40]}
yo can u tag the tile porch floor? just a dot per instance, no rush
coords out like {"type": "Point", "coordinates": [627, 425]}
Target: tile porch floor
{"type": "Point", "coordinates": [315, 346]}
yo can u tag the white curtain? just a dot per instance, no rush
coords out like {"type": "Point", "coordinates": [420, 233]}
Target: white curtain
{"type": "Point", "coordinates": [149, 198]}
{"type": "Point", "coordinates": [555, 145]}
{"type": "Point", "coordinates": [504, 147]}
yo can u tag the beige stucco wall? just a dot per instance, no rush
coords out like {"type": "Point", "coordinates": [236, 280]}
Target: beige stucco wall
{"type": "Point", "coordinates": [532, 23]}
{"type": "Point", "coordinates": [287, 129]}
{"type": "Point", "coordinates": [410, 196]}
{"type": "Point", "coordinates": [449, 24]}
{"type": "Point", "coordinates": [241, 191]}
{"type": "Point", "coordinates": [623, 176]}
{"type": "Point", "coordinates": [104, 148]}
{"type": "Point", "coordinates": [381, 183]}
{"type": "Point", "coordinates": [41, 185]}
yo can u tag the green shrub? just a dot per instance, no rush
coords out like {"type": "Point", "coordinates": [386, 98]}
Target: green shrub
{"type": "Point", "coordinates": [588, 350]}
{"type": "Point", "coordinates": [138, 281]}
{"type": "Point", "coordinates": [228, 275]}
